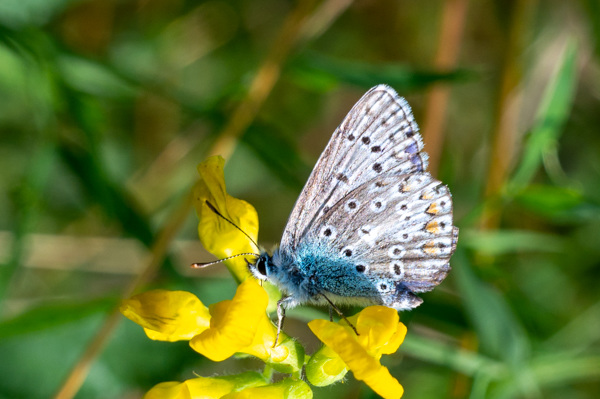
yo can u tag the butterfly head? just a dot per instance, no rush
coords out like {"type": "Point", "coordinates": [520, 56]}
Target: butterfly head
{"type": "Point", "coordinates": [262, 267]}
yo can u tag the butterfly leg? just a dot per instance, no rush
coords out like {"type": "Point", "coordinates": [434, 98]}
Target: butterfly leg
{"type": "Point", "coordinates": [339, 312]}
{"type": "Point", "coordinates": [330, 313]}
{"type": "Point", "coordinates": [280, 317]}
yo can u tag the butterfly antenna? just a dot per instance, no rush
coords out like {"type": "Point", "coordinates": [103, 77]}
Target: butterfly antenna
{"type": "Point", "coordinates": [212, 208]}
{"type": "Point", "coordinates": [204, 264]}
{"type": "Point", "coordinates": [339, 312]}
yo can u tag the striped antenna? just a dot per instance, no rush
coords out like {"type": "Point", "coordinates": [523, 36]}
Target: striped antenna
{"type": "Point", "coordinates": [204, 264]}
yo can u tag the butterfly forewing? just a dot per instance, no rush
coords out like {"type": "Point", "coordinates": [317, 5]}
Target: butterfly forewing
{"type": "Point", "coordinates": [377, 137]}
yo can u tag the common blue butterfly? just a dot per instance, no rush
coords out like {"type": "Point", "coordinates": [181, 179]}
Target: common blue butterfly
{"type": "Point", "coordinates": [371, 225]}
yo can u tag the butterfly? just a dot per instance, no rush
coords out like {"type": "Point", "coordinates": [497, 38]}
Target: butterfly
{"type": "Point", "coordinates": [371, 226]}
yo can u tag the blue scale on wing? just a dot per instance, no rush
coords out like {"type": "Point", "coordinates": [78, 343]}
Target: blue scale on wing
{"type": "Point", "coordinates": [321, 269]}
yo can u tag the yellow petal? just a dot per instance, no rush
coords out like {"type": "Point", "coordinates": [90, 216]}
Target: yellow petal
{"type": "Point", "coordinates": [209, 388]}
{"type": "Point", "coordinates": [264, 338]}
{"type": "Point", "coordinates": [342, 341]}
{"type": "Point", "coordinates": [286, 357]}
{"type": "Point", "coordinates": [242, 325]}
{"type": "Point", "coordinates": [395, 340]}
{"type": "Point", "coordinates": [382, 382]}
{"type": "Point", "coordinates": [234, 323]}
{"type": "Point", "coordinates": [353, 352]}
{"type": "Point", "coordinates": [285, 389]}
{"type": "Point", "coordinates": [380, 330]}
{"type": "Point", "coordinates": [205, 387]}
{"type": "Point", "coordinates": [168, 390]}
{"type": "Point", "coordinates": [217, 235]}
{"type": "Point", "coordinates": [167, 315]}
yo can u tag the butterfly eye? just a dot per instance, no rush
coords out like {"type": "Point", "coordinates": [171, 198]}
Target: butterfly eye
{"type": "Point", "coordinates": [261, 266]}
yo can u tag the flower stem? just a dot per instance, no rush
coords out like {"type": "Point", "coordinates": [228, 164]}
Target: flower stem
{"type": "Point", "coordinates": [268, 372]}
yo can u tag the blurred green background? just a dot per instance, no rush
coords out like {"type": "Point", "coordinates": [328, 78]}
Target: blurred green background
{"type": "Point", "coordinates": [107, 106]}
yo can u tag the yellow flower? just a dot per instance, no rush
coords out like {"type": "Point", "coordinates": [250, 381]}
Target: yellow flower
{"type": "Point", "coordinates": [218, 236]}
{"type": "Point", "coordinates": [205, 387]}
{"type": "Point", "coordinates": [380, 332]}
{"type": "Point", "coordinates": [242, 325]}
{"type": "Point", "coordinates": [228, 327]}
{"type": "Point", "coordinates": [167, 315]}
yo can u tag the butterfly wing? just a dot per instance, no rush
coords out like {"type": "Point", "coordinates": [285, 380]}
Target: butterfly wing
{"type": "Point", "coordinates": [370, 199]}
{"type": "Point", "coordinates": [378, 136]}
{"type": "Point", "coordinates": [397, 232]}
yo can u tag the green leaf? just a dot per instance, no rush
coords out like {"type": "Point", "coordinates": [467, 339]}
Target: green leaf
{"type": "Point", "coordinates": [593, 14]}
{"type": "Point", "coordinates": [551, 117]}
{"type": "Point", "coordinates": [560, 203]}
{"type": "Point", "coordinates": [580, 334]}
{"type": "Point", "coordinates": [500, 242]}
{"type": "Point", "coordinates": [500, 333]}
{"type": "Point", "coordinates": [564, 368]}
{"type": "Point", "coordinates": [279, 154]}
{"type": "Point", "coordinates": [20, 13]}
{"type": "Point", "coordinates": [322, 72]}
{"type": "Point", "coordinates": [546, 372]}
{"type": "Point", "coordinates": [93, 78]}
{"type": "Point", "coordinates": [460, 360]}
{"type": "Point", "coordinates": [27, 202]}
{"type": "Point", "coordinates": [44, 317]}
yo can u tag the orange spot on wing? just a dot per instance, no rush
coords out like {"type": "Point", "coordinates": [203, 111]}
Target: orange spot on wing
{"type": "Point", "coordinates": [433, 227]}
{"type": "Point", "coordinates": [433, 209]}
{"type": "Point", "coordinates": [430, 248]}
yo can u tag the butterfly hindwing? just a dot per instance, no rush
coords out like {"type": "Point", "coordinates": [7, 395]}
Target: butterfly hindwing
{"type": "Point", "coordinates": [397, 232]}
